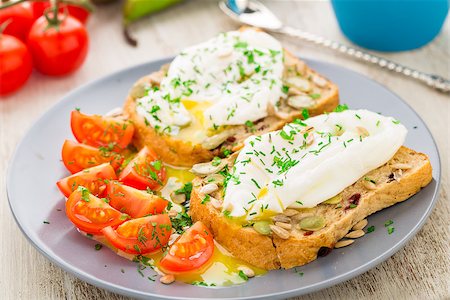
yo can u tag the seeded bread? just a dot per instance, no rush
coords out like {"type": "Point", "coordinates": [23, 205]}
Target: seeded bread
{"type": "Point", "coordinates": [303, 83]}
{"type": "Point", "coordinates": [403, 176]}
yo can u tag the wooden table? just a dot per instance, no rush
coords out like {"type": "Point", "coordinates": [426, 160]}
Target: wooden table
{"type": "Point", "coordinates": [421, 270]}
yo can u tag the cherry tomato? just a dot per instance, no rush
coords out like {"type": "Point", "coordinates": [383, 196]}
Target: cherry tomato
{"type": "Point", "coordinates": [94, 179]}
{"type": "Point", "coordinates": [21, 17]}
{"type": "Point", "coordinates": [133, 202]}
{"type": "Point", "coordinates": [99, 131]}
{"type": "Point", "coordinates": [140, 236]}
{"type": "Point", "coordinates": [58, 49]}
{"type": "Point", "coordinates": [78, 12]}
{"type": "Point", "coordinates": [91, 214]}
{"type": "Point", "coordinates": [77, 157]}
{"type": "Point", "coordinates": [144, 171]}
{"type": "Point", "coordinates": [15, 64]}
{"type": "Point", "coordinates": [191, 251]}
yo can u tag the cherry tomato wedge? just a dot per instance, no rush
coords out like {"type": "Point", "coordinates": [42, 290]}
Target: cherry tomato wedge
{"type": "Point", "coordinates": [191, 251]}
{"type": "Point", "coordinates": [94, 179]}
{"type": "Point", "coordinates": [141, 236]}
{"type": "Point", "coordinates": [144, 171]}
{"type": "Point", "coordinates": [101, 131]}
{"type": "Point", "coordinates": [91, 214]}
{"type": "Point", "coordinates": [77, 157]}
{"type": "Point", "coordinates": [133, 202]}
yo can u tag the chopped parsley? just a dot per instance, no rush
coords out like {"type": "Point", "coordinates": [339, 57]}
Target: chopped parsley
{"type": "Point", "coordinates": [242, 275]}
{"type": "Point", "coordinates": [371, 229]}
{"type": "Point", "coordinates": [305, 114]}
{"type": "Point", "coordinates": [315, 96]}
{"type": "Point", "coordinates": [341, 108]}
{"type": "Point", "coordinates": [181, 220]}
{"type": "Point", "coordinates": [98, 247]}
{"type": "Point", "coordinates": [215, 162]}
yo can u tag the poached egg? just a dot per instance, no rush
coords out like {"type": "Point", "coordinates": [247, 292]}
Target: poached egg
{"type": "Point", "coordinates": [308, 162]}
{"type": "Point", "coordinates": [227, 80]}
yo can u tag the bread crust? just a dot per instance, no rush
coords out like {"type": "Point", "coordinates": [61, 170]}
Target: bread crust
{"type": "Point", "coordinates": [184, 153]}
{"type": "Point", "coordinates": [272, 252]}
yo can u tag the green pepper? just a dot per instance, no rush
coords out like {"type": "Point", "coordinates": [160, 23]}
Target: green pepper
{"type": "Point", "coordinates": [136, 9]}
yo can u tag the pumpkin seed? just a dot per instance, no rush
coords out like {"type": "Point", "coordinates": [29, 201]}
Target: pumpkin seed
{"type": "Point", "coordinates": [209, 188]}
{"type": "Point", "coordinates": [205, 169]}
{"type": "Point", "coordinates": [355, 234]}
{"type": "Point", "coordinates": [360, 225]}
{"type": "Point", "coordinates": [280, 232]}
{"type": "Point", "coordinates": [262, 227]}
{"type": "Point", "coordinates": [343, 243]}
{"type": "Point", "coordinates": [177, 198]}
{"type": "Point", "coordinates": [334, 200]}
{"type": "Point", "coordinates": [247, 271]}
{"type": "Point", "coordinates": [300, 101]}
{"type": "Point", "coordinates": [312, 223]}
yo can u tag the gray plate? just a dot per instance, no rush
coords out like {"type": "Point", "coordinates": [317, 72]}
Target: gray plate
{"type": "Point", "coordinates": [36, 165]}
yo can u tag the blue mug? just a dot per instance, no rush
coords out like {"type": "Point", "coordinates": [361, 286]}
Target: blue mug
{"type": "Point", "coordinates": [391, 25]}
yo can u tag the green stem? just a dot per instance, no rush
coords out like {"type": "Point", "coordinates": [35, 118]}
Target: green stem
{"type": "Point", "coordinates": [11, 3]}
{"type": "Point", "coordinates": [83, 3]}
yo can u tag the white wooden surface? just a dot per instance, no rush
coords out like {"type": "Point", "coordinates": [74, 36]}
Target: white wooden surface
{"type": "Point", "coordinates": [419, 271]}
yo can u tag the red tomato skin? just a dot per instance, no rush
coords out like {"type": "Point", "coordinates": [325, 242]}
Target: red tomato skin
{"type": "Point", "coordinates": [79, 13]}
{"type": "Point", "coordinates": [58, 51]}
{"type": "Point", "coordinates": [71, 149]}
{"type": "Point", "coordinates": [126, 244]}
{"type": "Point", "coordinates": [131, 177]}
{"type": "Point", "coordinates": [21, 16]}
{"type": "Point", "coordinates": [173, 264]}
{"type": "Point", "coordinates": [78, 121]}
{"type": "Point", "coordinates": [134, 202]}
{"type": "Point", "coordinates": [102, 172]}
{"type": "Point", "coordinates": [15, 64]}
{"type": "Point", "coordinates": [116, 217]}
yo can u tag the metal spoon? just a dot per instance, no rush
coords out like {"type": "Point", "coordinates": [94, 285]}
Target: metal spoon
{"type": "Point", "coordinates": [255, 14]}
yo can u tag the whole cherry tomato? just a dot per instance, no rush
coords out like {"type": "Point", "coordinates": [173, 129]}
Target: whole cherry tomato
{"type": "Point", "coordinates": [21, 17]}
{"type": "Point", "coordinates": [81, 13]}
{"type": "Point", "coordinates": [15, 64]}
{"type": "Point", "coordinates": [58, 45]}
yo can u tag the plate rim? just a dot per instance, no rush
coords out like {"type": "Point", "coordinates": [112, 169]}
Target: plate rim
{"type": "Point", "coordinates": [75, 271]}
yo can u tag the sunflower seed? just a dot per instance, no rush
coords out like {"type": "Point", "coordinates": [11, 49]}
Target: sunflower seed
{"type": "Point", "coordinates": [401, 166]}
{"type": "Point", "coordinates": [215, 203]}
{"type": "Point", "coordinates": [177, 198]}
{"type": "Point", "coordinates": [205, 169]}
{"type": "Point", "coordinates": [289, 212]}
{"type": "Point", "coordinates": [398, 174]}
{"type": "Point", "coordinates": [215, 178]}
{"type": "Point", "coordinates": [300, 101]}
{"type": "Point", "coordinates": [362, 131]}
{"type": "Point", "coordinates": [167, 279]}
{"type": "Point", "coordinates": [299, 83]}
{"type": "Point", "coordinates": [281, 218]}
{"type": "Point", "coordinates": [209, 188]}
{"type": "Point", "coordinates": [343, 243]}
{"type": "Point", "coordinates": [360, 225]}
{"type": "Point", "coordinates": [355, 234]}
{"type": "Point", "coordinates": [319, 81]}
{"type": "Point", "coordinates": [369, 185]}
{"type": "Point", "coordinates": [247, 271]}
{"type": "Point", "coordinates": [286, 226]}
{"type": "Point", "coordinates": [280, 232]}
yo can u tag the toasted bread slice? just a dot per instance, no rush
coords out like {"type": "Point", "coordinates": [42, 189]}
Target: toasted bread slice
{"type": "Point", "coordinates": [403, 176]}
{"type": "Point", "coordinates": [175, 151]}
